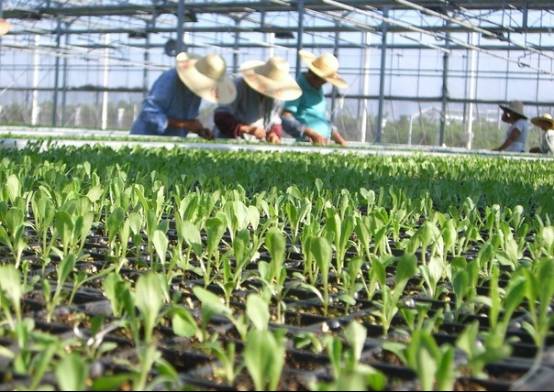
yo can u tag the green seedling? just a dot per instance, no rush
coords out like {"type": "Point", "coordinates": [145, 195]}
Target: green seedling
{"type": "Point", "coordinates": [264, 357]}
{"type": "Point", "coordinates": [71, 373]}
{"type": "Point", "coordinates": [63, 271]}
{"type": "Point", "coordinates": [434, 366]}
{"type": "Point", "coordinates": [12, 231]}
{"type": "Point", "coordinates": [406, 267]}
{"type": "Point", "coordinates": [150, 294]}
{"type": "Point", "coordinates": [11, 293]}
{"type": "Point", "coordinates": [322, 254]}
{"type": "Point", "coordinates": [349, 374]}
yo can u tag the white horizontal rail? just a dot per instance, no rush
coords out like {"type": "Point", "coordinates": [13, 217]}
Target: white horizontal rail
{"type": "Point", "coordinates": [21, 143]}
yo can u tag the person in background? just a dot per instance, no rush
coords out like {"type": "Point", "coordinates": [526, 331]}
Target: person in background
{"type": "Point", "coordinates": [260, 90]}
{"type": "Point", "coordinates": [5, 27]}
{"type": "Point", "coordinates": [306, 116]}
{"type": "Point", "coordinates": [516, 134]}
{"type": "Point", "coordinates": [546, 123]}
{"type": "Point", "coordinates": [172, 105]}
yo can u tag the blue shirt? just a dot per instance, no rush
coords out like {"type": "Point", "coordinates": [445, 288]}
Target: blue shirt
{"type": "Point", "coordinates": [310, 109]}
{"type": "Point", "coordinates": [168, 98]}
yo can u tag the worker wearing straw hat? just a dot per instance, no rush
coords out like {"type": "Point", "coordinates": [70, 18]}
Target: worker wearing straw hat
{"type": "Point", "coordinates": [172, 105]}
{"type": "Point", "coordinates": [306, 117]}
{"type": "Point", "coordinates": [546, 123]}
{"type": "Point", "coordinates": [516, 134]}
{"type": "Point", "coordinates": [5, 27]}
{"type": "Point", "coordinates": [256, 110]}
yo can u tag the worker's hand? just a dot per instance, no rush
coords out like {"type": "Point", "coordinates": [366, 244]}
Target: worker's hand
{"type": "Point", "coordinates": [190, 125]}
{"type": "Point", "coordinates": [273, 138]}
{"type": "Point", "coordinates": [195, 125]}
{"type": "Point", "coordinates": [258, 132]}
{"type": "Point", "coordinates": [204, 133]}
{"type": "Point", "coordinates": [342, 142]}
{"type": "Point", "coordinates": [315, 137]}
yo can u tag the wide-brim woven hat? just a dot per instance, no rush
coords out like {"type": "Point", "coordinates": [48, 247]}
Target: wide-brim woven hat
{"type": "Point", "coordinates": [545, 121]}
{"type": "Point", "coordinates": [325, 66]}
{"type": "Point", "coordinates": [206, 77]}
{"type": "Point", "coordinates": [514, 107]}
{"type": "Point", "coordinates": [271, 78]}
{"type": "Point", "coordinates": [5, 27]}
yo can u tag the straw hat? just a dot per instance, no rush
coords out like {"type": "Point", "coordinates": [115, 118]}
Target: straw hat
{"type": "Point", "coordinates": [206, 77]}
{"type": "Point", "coordinates": [514, 107]}
{"type": "Point", "coordinates": [5, 27]}
{"type": "Point", "coordinates": [545, 121]}
{"type": "Point", "coordinates": [325, 66]}
{"type": "Point", "coordinates": [271, 78]}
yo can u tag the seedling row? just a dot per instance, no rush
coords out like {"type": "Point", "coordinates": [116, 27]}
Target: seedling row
{"type": "Point", "coordinates": [121, 272]}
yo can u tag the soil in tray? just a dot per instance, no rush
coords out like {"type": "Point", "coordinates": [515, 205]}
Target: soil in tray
{"type": "Point", "coordinates": [204, 377]}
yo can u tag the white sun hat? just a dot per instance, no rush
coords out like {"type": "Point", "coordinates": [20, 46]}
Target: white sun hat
{"type": "Point", "coordinates": [271, 78]}
{"type": "Point", "coordinates": [5, 27]}
{"type": "Point", "coordinates": [326, 66]}
{"type": "Point", "coordinates": [206, 77]}
{"type": "Point", "coordinates": [514, 107]}
{"type": "Point", "coordinates": [545, 119]}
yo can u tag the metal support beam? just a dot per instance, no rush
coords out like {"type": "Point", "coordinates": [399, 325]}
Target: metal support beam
{"type": "Point", "coordinates": [344, 28]}
{"type": "Point", "coordinates": [105, 83]}
{"type": "Point", "coordinates": [228, 7]}
{"type": "Point", "coordinates": [236, 48]}
{"type": "Point", "coordinates": [180, 22]}
{"type": "Point", "coordinates": [299, 41]}
{"type": "Point", "coordinates": [444, 92]}
{"type": "Point", "coordinates": [335, 90]}
{"type": "Point", "coordinates": [380, 114]}
{"type": "Point", "coordinates": [35, 108]}
{"type": "Point", "coordinates": [363, 111]}
{"type": "Point", "coordinates": [472, 90]}
{"type": "Point", "coordinates": [56, 77]}
{"type": "Point", "coordinates": [64, 83]}
{"type": "Point", "coordinates": [145, 70]}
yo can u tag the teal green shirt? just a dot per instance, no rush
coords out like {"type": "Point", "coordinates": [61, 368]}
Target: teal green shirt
{"type": "Point", "coordinates": [310, 108]}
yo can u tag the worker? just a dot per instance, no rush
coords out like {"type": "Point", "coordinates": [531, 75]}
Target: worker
{"type": "Point", "coordinates": [546, 123]}
{"type": "Point", "coordinates": [172, 105]}
{"type": "Point", "coordinates": [305, 118]}
{"type": "Point", "coordinates": [261, 89]}
{"type": "Point", "coordinates": [516, 134]}
{"type": "Point", "coordinates": [5, 27]}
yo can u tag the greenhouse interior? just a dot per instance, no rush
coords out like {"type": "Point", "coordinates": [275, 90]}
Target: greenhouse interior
{"type": "Point", "coordinates": [277, 195]}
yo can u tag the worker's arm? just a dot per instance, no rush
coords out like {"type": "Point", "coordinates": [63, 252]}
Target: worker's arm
{"type": "Point", "coordinates": [337, 138]}
{"type": "Point", "coordinates": [193, 126]}
{"type": "Point", "coordinates": [512, 137]}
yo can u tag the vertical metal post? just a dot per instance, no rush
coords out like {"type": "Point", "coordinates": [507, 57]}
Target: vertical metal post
{"type": "Point", "coordinates": [472, 90]}
{"type": "Point", "coordinates": [1, 14]}
{"type": "Point", "coordinates": [299, 41]}
{"type": "Point", "coordinates": [269, 50]}
{"type": "Point", "coordinates": [362, 104]}
{"type": "Point", "coordinates": [146, 59]}
{"type": "Point", "coordinates": [236, 47]}
{"type": "Point", "coordinates": [265, 35]}
{"type": "Point", "coordinates": [335, 90]}
{"type": "Point", "coordinates": [64, 81]}
{"type": "Point", "coordinates": [379, 129]}
{"type": "Point", "coordinates": [271, 42]}
{"type": "Point", "coordinates": [444, 90]}
{"type": "Point", "coordinates": [56, 74]}
{"type": "Point", "coordinates": [35, 109]}
{"type": "Point", "coordinates": [105, 82]}
{"type": "Point", "coordinates": [180, 22]}
{"type": "Point", "coordinates": [506, 86]}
